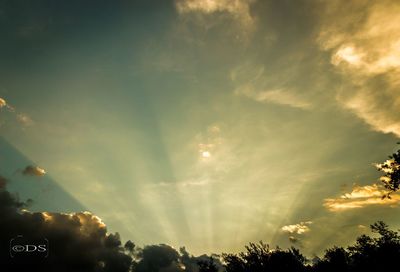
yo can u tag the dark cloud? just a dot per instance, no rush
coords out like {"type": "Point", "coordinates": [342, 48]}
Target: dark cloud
{"type": "Point", "coordinates": [296, 241]}
{"type": "Point", "coordinates": [164, 258]}
{"type": "Point", "coordinates": [77, 241]}
{"type": "Point", "coordinates": [31, 170]}
{"type": "Point", "coordinates": [3, 182]}
{"type": "Point", "coordinates": [159, 258]}
{"type": "Point", "coordinates": [293, 239]}
{"type": "Point", "coordinates": [80, 242]}
{"type": "Point", "coordinates": [129, 246]}
{"type": "Point", "coordinates": [191, 262]}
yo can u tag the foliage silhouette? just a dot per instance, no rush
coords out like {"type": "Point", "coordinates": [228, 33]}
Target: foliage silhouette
{"type": "Point", "coordinates": [207, 266]}
{"type": "Point", "coordinates": [260, 257]}
{"type": "Point", "coordinates": [367, 254]}
{"type": "Point", "coordinates": [391, 170]}
{"type": "Point", "coordinates": [335, 259]}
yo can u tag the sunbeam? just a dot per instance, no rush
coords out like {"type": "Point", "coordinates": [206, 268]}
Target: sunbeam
{"type": "Point", "coordinates": [199, 126]}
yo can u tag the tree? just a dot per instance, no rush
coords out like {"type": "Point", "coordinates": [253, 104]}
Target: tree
{"type": "Point", "coordinates": [391, 170]}
{"type": "Point", "coordinates": [375, 254]}
{"type": "Point", "coordinates": [207, 266]}
{"type": "Point", "coordinates": [335, 259]}
{"type": "Point", "coordinates": [260, 257]}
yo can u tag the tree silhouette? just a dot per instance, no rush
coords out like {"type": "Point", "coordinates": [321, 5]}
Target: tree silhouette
{"type": "Point", "coordinates": [376, 254]}
{"type": "Point", "coordinates": [260, 257]}
{"type": "Point", "coordinates": [391, 170]}
{"type": "Point", "coordinates": [335, 259]}
{"type": "Point", "coordinates": [367, 254]}
{"type": "Point", "coordinates": [207, 266]}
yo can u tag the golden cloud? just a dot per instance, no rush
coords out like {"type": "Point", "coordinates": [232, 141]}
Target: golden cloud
{"type": "Point", "coordinates": [33, 171]}
{"type": "Point", "coordinates": [299, 228]}
{"type": "Point", "coordinates": [365, 47]}
{"type": "Point", "coordinates": [89, 223]}
{"type": "Point", "coordinates": [361, 196]}
{"type": "Point", "coordinates": [388, 166]}
{"type": "Point", "coordinates": [3, 103]}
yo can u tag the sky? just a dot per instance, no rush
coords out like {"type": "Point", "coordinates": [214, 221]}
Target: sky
{"type": "Point", "coordinates": [204, 123]}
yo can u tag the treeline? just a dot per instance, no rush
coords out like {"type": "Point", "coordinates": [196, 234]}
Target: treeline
{"type": "Point", "coordinates": [379, 252]}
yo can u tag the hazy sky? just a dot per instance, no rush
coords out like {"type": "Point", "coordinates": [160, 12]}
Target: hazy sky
{"type": "Point", "coordinates": [204, 123]}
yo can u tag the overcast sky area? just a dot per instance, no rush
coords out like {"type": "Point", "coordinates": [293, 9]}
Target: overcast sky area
{"type": "Point", "coordinates": [204, 123]}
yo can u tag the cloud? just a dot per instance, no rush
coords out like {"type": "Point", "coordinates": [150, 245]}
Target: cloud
{"type": "Point", "coordinates": [278, 96]}
{"type": "Point", "coordinates": [194, 183]}
{"type": "Point", "coordinates": [209, 142]}
{"type": "Point", "coordinates": [2, 103]}
{"type": "Point", "coordinates": [31, 170]}
{"type": "Point", "coordinates": [190, 262]}
{"type": "Point", "coordinates": [391, 169]}
{"type": "Point", "coordinates": [362, 227]}
{"type": "Point", "coordinates": [239, 9]}
{"type": "Point", "coordinates": [293, 239]}
{"type": "Point", "coordinates": [24, 119]}
{"type": "Point", "coordinates": [388, 166]}
{"type": "Point", "coordinates": [3, 182]}
{"type": "Point", "coordinates": [77, 241]}
{"type": "Point", "coordinates": [360, 197]}
{"type": "Point", "coordinates": [299, 228]}
{"type": "Point", "coordinates": [159, 258]}
{"type": "Point", "coordinates": [252, 83]}
{"type": "Point", "coordinates": [216, 155]}
{"type": "Point", "coordinates": [365, 48]}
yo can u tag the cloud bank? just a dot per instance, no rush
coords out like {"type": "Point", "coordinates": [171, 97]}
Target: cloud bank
{"type": "Point", "coordinates": [78, 241]}
{"type": "Point", "coordinates": [3, 182]}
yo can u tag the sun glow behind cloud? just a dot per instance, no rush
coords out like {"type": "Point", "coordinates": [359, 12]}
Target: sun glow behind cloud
{"type": "Point", "coordinates": [205, 154]}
